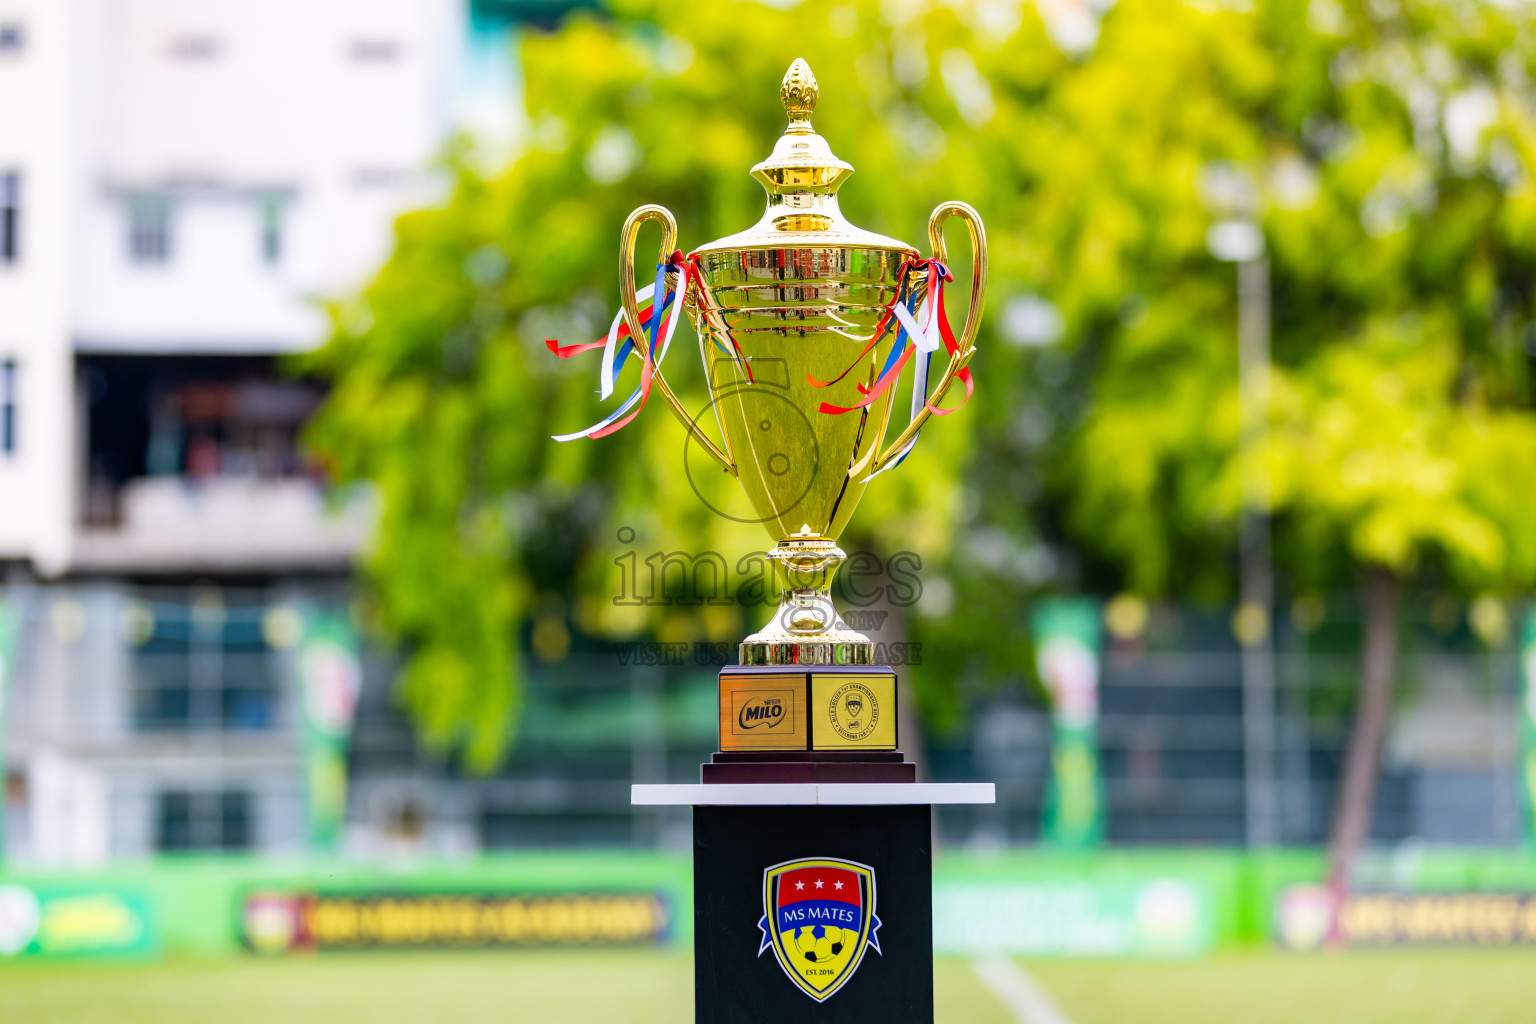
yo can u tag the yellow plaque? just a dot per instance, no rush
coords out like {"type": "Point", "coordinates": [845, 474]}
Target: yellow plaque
{"type": "Point", "coordinates": [762, 712]}
{"type": "Point", "coordinates": [853, 711]}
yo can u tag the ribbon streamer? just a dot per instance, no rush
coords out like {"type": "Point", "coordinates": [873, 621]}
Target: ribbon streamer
{"type": "Point", "coordinates": [734, 352]}
{"type": "Point", "coordinates": [921, 330]}
{"type": "Point", "coordinates": [928, 330]}
{"type": "Point", "coordinates": [619, 342]}
{"type": "Point", "coordinates": [900, 353]}
{"type": "Point", "coordinates": [881, 329]}
{"type": "Point", "coordinates": [617, 331]}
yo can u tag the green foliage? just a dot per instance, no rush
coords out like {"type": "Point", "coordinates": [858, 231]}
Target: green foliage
{"type": "Point", "coordinates": [1388, 149]}
{"type": "Point", "coordinates": [1370, 440]}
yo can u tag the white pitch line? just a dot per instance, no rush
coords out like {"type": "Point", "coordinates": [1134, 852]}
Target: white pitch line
{"type": "Point", "coordinates": [1019, 992]}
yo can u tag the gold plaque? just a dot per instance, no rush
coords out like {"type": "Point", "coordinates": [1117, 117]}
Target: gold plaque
{"type": "Point", "coordinates": [763, 712]}
{"type": "Point", "coordinates": [853, 711]}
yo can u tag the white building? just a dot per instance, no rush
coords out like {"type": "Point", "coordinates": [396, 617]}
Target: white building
{"type": "Point", "coordinates": [181, 183]}
{"type": "Point", "coordinates": [188, 179]}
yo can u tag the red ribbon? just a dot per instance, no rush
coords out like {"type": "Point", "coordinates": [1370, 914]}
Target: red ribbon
{"type": "Point", "coordinates": [643, 346]}
{"type": "Point", "coordinates": [880, 331]}
{"type": "Point", "coordinates": [937, 274]}
{"type": "Point", "coordinates": [566, 351]}
{"type": "Point", "coordinates": [952, 347]}
{"type": "Point", "coordinates": [697, 276]}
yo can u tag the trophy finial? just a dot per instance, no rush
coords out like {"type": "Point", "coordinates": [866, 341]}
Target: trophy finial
{"type": "Point", "coordinates": [798, 91]}
{"type": "Point", "coordinates": [801, 160]}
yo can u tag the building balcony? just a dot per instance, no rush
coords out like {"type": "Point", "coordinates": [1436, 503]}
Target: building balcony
{"type": "Point", "coordinates": [178, 524]}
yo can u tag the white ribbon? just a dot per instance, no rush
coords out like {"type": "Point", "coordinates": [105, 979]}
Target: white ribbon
{"type": "Point", "coordinates": [926, 339]}
{"type": "Point", "coordinates": [609, 371]}
{"type": "Point", "coordinates": [668, 330]}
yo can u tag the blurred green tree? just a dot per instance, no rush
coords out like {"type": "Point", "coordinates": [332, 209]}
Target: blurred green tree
{"type": "Point", "coordinates": [445, 396]}
{"type": "Point", "coordinates": [1385, 149]}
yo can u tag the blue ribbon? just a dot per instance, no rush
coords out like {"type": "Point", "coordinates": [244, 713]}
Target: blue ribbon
{"type": "Point", "coordinates": [908, 300]}
{"type": "Point", "coordinates": [656, 316]}
{"type": "Point", "coordinates": [660, 289]}
{"type": "Point", "coordinates": [650, 326]}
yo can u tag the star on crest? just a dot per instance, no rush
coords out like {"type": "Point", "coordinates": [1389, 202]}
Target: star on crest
{"type": "Point", "coordinates": [818, 883]}
{"type": "Point", "coordinates": [837, 885]}
{"type": "Point", "coordinates": [799, 885]}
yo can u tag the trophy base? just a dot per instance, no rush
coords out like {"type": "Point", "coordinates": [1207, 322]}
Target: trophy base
{"type": "Point", "coordinates": [759, 768]}
{"type": "Point", "coordinates": [807, 708]}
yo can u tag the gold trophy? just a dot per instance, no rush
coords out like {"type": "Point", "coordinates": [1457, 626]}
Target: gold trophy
{"type": "Point", "coordinates": [790, 315]}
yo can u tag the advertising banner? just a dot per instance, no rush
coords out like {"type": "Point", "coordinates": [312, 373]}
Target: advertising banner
{"type": "Point", "coordinates": [280, 922]}
{"type": "Point", "coordinates": [1161, 917]}
{"type": "Point", "coordinates": [330, 675]}
{"type": "Point", "coordinates": [1303, 914]}
{"type": "Point", "coordinates": [59, 922]}
{"type": "Point", "coordinates": [1067, 635]}
{"type": "Point", "coordinates": [1528, 728]}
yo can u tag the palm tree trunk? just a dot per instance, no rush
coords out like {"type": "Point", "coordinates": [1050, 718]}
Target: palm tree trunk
{"type": "Point", "coordinates": [1357, 793]}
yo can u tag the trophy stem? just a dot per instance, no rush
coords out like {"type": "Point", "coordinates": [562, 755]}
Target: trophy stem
{"type": "Point", "coordinates": [806, 628]}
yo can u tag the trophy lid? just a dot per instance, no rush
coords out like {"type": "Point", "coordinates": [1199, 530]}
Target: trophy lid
{"type": "Point", "coordinates": [802, 161]}
{"type": "Point", "coordinates": [802, 176]}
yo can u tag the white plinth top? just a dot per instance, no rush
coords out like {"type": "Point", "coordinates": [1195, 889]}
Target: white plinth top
{"type": "Point", "coordinates": [812, 794]}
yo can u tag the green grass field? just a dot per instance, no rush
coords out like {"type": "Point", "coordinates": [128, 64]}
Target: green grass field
{"type": "Point", "coordinates": [1483, 986]}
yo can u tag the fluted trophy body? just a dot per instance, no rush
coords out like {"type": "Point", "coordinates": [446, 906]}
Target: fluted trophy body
{"type": "Point", "coordinates": [794, 317]}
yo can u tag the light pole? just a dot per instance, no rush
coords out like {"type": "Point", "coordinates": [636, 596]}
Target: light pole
{"type": "Point", "coordinates": [1237, 239]}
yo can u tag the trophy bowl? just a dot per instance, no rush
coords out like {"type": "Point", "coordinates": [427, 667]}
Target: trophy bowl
{"type": "Point", "coordinates": [805, 322]}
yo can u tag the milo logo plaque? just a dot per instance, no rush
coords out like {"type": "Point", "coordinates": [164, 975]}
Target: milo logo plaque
{"type": "Point", "coordinates": [763, 712]}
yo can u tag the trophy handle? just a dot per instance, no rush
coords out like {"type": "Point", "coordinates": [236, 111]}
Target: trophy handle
{"type": "Point", "coordinates": [966, 345]}
{"type": "Point", "coordinates": [627, 239]}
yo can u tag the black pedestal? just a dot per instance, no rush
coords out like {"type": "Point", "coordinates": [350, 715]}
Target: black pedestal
{"type": "Point", "coordinates": [747, 870]}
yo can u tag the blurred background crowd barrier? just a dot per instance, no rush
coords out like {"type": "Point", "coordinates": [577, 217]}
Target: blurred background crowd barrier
{"type": "Point", "coordinates": [171, 774]}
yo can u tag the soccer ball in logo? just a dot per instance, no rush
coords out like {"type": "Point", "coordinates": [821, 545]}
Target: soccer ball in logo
{"type": "Point", "coordinates": [819, 944]}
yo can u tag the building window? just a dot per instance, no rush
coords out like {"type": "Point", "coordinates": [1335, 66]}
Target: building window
{"type": "Point", "coordinates": [271, 231]}
{"type": "Point", "coordinates": [13, 38]}
{"type": "Point", "coordinates": [10, 216]}
{"type": "Point", "coordinates": [218, 820]}
{"type": "Point", "coordinates": [203, 667]}
{"type": "Point", "coordinates": [149, 229]}
{"type": "Point", "coordinates": [8, 406]}
{"type": "Point", "coordinates": [198, 671]}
